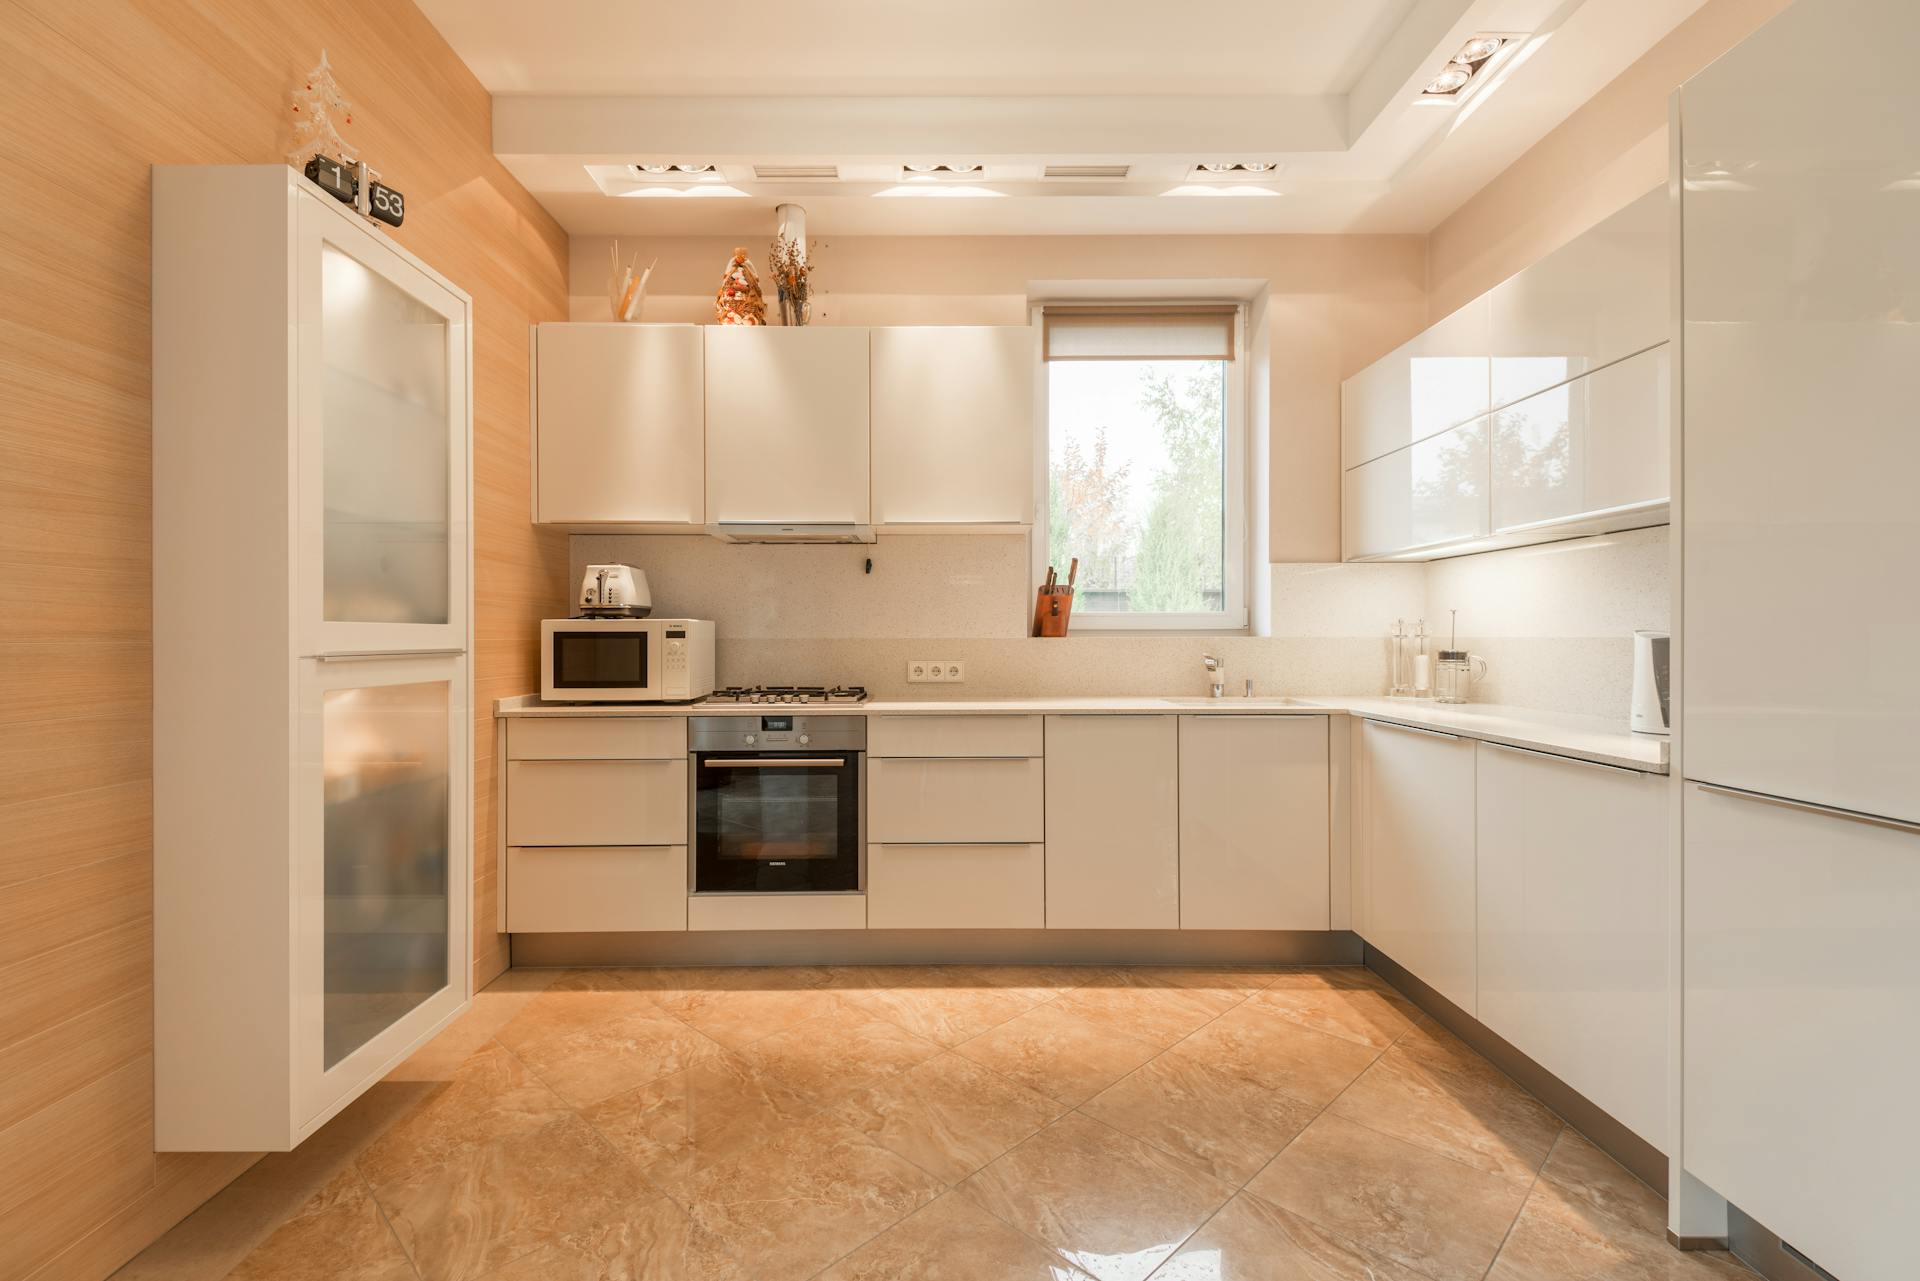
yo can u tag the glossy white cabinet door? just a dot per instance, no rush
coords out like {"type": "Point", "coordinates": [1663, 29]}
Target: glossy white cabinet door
{"type": "Point", "coordinates": [1425, 495]}
{"type": "Point", "coordinates": [1572, 874]}
{"type": "Point", "coordinates": [1438, 380]}
{"type": "Point", "coordinates": [1113, 822]}
{"type": "Point", "coordinates": [1802, 1026]}
{"type": "Point", "coordinates": [1420, 887]}
{"type": "Point", "coordinates": [620, 424]}
{"type": "Point", "coordinates": [1253, 823]}
{"type": "Point", "coordinates": [787, 423]}
{"type": "Point", "coordinates": [1594, 445]}
{"type": "Point", "coordinates": [1801, 288]}
{"type": "Point", "coordinates": [1376, 507]}
{"type": "Point", "coordinates": [953, 424]}
{"type": "Point", "coordinates": [956, 887]}
{"type": "Point", "coordinates": [570, 889]}
{"type": "Point", "coordinates": [1604, 295]}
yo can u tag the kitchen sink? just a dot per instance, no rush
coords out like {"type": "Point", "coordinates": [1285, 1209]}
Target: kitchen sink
{"type": "Point", "coordinates": [1236, 702]}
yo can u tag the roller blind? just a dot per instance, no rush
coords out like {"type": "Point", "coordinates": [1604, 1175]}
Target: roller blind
{"type": "Point", "coordinates": [1090, 332]}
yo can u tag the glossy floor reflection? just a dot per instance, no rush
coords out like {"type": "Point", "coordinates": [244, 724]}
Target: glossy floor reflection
{"type": "Point", "coordinates": [934, 1123]}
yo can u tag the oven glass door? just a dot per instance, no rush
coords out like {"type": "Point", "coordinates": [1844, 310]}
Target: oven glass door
{"type": "Point", "coordinates": [599, 660]}
{"type": "Point", "coordinates": [782, 821]}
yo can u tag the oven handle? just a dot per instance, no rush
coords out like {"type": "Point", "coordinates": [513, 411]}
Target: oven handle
{"type": "Point", "coordinates": [777, 763]}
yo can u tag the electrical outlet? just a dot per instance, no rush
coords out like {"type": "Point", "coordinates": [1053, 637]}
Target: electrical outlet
{"type": "Point", "coordinates": [920, 670]}
{"type": "Point", "coordinates": [953, 670]}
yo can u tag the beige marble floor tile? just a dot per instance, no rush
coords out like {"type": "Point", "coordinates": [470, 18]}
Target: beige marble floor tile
{"type": "Point", "coordinates": [492, 1096]}
{"type": "Point", "coordinates": [948, 1115]}
{"type": "Point", "coordinates": [1409, 1203]}
{"type": "Point", "coordinates": [650, 1240]}
{"type": "Point", "coordinates": [824, 1059]}
{"type": "Point", "coordinates": [1583, 1170]}
{"type": "Point", "coordinates": [1156, 1013]}
{"type": "Point", "coordinates": [1243, 980]}
{"type": "Point", "coordinates": [1561, 1235]}
{"type": "Point", "coordinates": [677, 1126]}
{"type": "Point", "coordinates": [1340, 1006]}
{"type": "Point", "coordinates": [1040, 983]}
{"type": "Point", "coordinates": [1223, 1124]}
{"type": "Point", "coordinates": [1110, 1204]}
{"type": "Point", "coordinates": [1251, 1240]}
{"type": "Point", "coordinates": [485, 1205]}
{"type": "Point", "coordinates": [1484, 1120]}
{"type": "Point", "coordinates": [739, 1018]}
{"type": "Point", "coordinates": [788, 1207]}
{"type": "Point", "coordinates": [339, 1235]}
{"type": "Point", "coordinates": [952, 1239]}
{"type": "Point", "coordinates": [589, 1045]}
{"type": "Point", "coordinates": [1060, 1054]}
{"type": "Point", "coordinates": [322, 1154]}
{"type": "Point", "coordinates": [948, 1014]}
{"type": "Point", "coordinates": [1278, 1054]}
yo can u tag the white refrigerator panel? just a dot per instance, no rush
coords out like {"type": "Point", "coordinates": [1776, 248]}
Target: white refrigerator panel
{"type": "Point", "coordinates": [1801, 322]}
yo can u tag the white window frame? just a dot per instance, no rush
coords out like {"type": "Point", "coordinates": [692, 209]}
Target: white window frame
{"type": "Point", "coordinates": [1238, 494]}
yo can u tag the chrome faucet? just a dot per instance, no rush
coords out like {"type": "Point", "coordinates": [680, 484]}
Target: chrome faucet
{"type": "Point", "coordinates": [1217, 682]}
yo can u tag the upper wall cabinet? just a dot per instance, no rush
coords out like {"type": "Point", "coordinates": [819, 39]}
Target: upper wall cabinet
{"type": "Point", "coordinates": [1601, 297]}
{"type": "Point", "coordinates": [1427, 495]}
{"type": "Point", "coordinates": [1438, 380]}
{"type": "Point", "coordinates": [953, 425]}
{"type": "Point", "coordinates": [619, 426]}
{"type": "Point", "coordinates": [787, 425]}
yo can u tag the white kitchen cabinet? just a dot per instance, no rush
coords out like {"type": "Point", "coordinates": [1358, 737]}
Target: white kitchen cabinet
{"type": "Point", "coordinates": [587, 738]}
{"type": "Point", "coordinates": [1594, 447]}
{"type": "Point", "coordinates": [1802, 1025]}
{"type": "Point", "coordinates": [1603, 296]}
{"type": "Point", "coordinates": [1254, 823]}
{"type": "Point", "coordinates": [1425, 496]}
{"type": "Point", "coordinates": [956, 735]}
{"type": "Point", "coordinates": [953, 424]}
{"type": "Point", "coordinates": [1572, 876]}
{"type": "Point", "coordinates": [787, 424]}
{"type": "Point", "coordinates": [997, 886]}
{"type": "Point", "coordinates": [1113, 822]}
{"type": "Point", "coordinates": [565, 889]}
{"type": "Point", "coordinates": [1437, 380]}
{"type": "Point", "coordinates": [619, 425]}
{"type": "Point", "coordinates": [777, 912]}
{"type": "Point", "coordinates": [1420, 891]}
{"type": "Point", "coordinates": [312, 608]}
{"type": "Point", "coordinates": [963, 799]}
{"type": "Point", "coordinates": [597, 803]}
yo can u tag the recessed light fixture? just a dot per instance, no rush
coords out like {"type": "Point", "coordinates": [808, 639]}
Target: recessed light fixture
{"type": "Point", "coordinates": [923, 172]}
{"type": "Point", "coordinates": [1467, 68]}
{"type": "Point", "coordinates": [654, 168]}
{"type": "Point", "coordinates": [656, 171]}
{"type": "Point", "coordinates": [1236, 166]}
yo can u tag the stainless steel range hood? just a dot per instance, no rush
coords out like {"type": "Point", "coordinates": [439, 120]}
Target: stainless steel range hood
{"type": "Point", "coordinates": [798, 532]}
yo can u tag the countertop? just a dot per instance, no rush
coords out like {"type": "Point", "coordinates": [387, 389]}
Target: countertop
{"type": "Point", "coordinates": [1588, 738]}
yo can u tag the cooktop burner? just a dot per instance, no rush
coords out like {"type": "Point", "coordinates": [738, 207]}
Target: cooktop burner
{"type": "Point", "coordinates": [789, 694]}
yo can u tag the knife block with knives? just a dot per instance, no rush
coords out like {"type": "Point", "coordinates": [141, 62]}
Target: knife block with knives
{"type": "Point", "coordinates": [1055, 605]}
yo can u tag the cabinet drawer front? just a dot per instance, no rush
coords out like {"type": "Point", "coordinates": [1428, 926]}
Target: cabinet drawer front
{"type": "Point", "coordinates": [574, 888]}
{"type": "Point", "coordinates": [956, 800]}
{"type": "Point", "coordinates": [976, 887]}
{"type": "Point", "coordinates": [590, 738]}
{"type": "Point", "coordinates": [777, 912]}
{"type": "Point", "coordinates": [955, 736]}
{"type": "Point", "coordinates": [597, 802]}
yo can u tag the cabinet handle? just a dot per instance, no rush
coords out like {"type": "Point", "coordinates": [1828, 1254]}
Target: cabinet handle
{"type": "Point", "coordinates": [1413, 729]}
{"type": "Point", "coordinates": [1556, 756]}
{"type": "Point", "coordinates": [1809, 807]}
{"type": "Point", "coordinates": [366, 655]}
{"type": "Point", "coordinates": [955, 758]}
{"type": "Point", "coordinates": [777, 763]}
{"type": "Point", "coordinates": [947, 845]}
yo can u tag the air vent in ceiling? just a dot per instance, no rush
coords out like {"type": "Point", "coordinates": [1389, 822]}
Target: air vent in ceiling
{"type": "Point", "coordinates": [796, 173]}
{"type": "Point", "coordinates": [1106, 173]}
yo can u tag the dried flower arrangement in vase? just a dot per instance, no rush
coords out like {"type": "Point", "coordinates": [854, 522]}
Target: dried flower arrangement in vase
{"type": "Point", "coordinates": [626, 292]}
{"type": "Point", "coordinates": [739, 301]}
{"type": "Point", "coordinates": [788, 258]}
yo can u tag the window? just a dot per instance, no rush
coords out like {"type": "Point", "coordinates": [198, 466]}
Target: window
{"type": "Point", "coordinates": [1144, 467]}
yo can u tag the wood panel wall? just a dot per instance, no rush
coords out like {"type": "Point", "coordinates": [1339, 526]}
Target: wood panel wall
{"type": "Point", "coordinates": [95, 91]}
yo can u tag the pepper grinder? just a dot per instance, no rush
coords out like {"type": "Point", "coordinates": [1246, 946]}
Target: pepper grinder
{"type": "Point", "coordinates": [1398, 683]}
{"type": "Point", "coordinates": [1422, 662]}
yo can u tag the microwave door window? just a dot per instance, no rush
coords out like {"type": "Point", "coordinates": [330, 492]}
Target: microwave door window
{"type": "Point", "coordinates": [595, 660]}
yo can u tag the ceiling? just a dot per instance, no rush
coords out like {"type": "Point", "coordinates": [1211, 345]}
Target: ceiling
{"type": "Point", "coordinates": [1326, 91]}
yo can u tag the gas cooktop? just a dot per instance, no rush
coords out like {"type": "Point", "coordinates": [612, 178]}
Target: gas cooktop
{"type": "Point", "coordinates": [789, 694]}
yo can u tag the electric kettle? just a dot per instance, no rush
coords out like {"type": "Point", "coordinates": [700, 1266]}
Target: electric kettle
{"type": "Point", "coordinates": [614, 591]}
{"type": "Point", "coordinates": [1652, 683]}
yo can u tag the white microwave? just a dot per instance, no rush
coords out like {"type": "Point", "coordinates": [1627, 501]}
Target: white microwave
{"type": "Point", "coordinates": [625, 660]}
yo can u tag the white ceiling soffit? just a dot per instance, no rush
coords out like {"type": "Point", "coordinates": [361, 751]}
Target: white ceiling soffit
{"type": "Point", "coordinates": [1324, 92]}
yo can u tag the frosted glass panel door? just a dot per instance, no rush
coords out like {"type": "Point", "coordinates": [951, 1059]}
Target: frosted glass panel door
{"type": "Point", "coordinates": [384, 775]}
{"type": "Point", "coordinates": [383, 411]}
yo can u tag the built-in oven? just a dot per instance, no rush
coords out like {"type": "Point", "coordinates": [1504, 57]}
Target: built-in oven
{"type": "Point", "coordinates": [777, 803]}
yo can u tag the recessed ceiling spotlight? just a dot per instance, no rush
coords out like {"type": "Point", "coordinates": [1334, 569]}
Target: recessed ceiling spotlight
{"type": "Point", "coordinates": [693, 168]}
{"type": "Point", "coordinates": [1451, 81]}
{"type": "Point", "coordinates": [942, 170]}
{"type": "Point", "coordinates": [920, 168]}
{"type": "Point", "coordinates": [1236, 166]}
{"type": "Point", "coordinates": [1479, 49]}
{"type": "Point", "coordinates": [654, 168]}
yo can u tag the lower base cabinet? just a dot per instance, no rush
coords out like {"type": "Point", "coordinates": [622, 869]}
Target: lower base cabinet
{"type": "Point", "coordinates": [1802, 1026]}
{"type": "Point", "coordinates": [1573, 925]}
{"type": "Point", "coordinates": [1113, 822]}
{"type": "Point", "coordinates": [956, 887]}
{"type": "Point", "coordinates": [1254, 823]}
{"type": "Point", "coordinates": [777, 912]}
{"type": "Point", "coordinates": [596, 888]}
{"type": "Point", "coordinates": [1417, 886]}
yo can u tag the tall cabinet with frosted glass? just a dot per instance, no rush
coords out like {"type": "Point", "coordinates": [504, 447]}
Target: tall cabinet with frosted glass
{"type": "Point", "coordinates": [311, 627]}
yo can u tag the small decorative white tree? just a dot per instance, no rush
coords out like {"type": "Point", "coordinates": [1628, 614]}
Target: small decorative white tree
{"type": "Point", "coordinates": [319, 111]}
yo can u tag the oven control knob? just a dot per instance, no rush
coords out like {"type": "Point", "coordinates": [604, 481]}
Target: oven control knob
{"type": "Point", "coordinates": [805, 739]}
{"type": "Point", "coordinates": [806, 698]}
{"type": "Point", "coordinates": [749, 740]}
